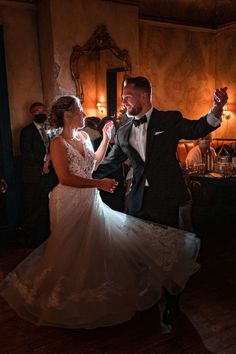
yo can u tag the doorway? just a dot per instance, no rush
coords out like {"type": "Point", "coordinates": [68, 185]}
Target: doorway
{"type": "Point", "coordinates": [8, 205]}
{"type": "Point", "coordinates": [114, 88]}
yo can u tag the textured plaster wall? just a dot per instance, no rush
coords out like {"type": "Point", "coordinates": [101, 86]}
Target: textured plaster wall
{"type": "Point", "coordinates": [181, 66]}
{"type": "Point", "coordinates": [74, 22]}
{"type": "Point", "coordinates": [226, 76]}
{"type": "Point", "coordinates": [46, 51]}
{"type": "Point", "coordinates": [22, 62]}
{"type": "Point", "coordinates": [185, 67]}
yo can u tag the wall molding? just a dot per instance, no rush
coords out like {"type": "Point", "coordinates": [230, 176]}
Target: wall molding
{"type": "Point", "coordinates": [228, 27]}
{"type": "Point", "coordinates": [188, 27]}
{"type": "Point", "coordinates": [17, 4]}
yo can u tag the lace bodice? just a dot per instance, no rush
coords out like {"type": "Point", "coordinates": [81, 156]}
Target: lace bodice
{"type": "Point", "coordinates": [80, 165]}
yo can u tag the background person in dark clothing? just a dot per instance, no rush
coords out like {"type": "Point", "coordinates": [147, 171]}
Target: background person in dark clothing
{"type": "Point", "coordinates": [38, 177]}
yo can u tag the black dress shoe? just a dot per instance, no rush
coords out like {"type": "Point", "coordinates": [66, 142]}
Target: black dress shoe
{"type": "Point", "coordinates": [171, 308]}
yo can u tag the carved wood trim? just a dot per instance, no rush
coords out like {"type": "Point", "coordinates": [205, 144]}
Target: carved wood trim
{"type": "Point", "coordinates": [100, 40]}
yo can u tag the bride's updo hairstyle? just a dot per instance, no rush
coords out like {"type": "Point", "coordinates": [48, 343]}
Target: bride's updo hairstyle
{"type": "Point", "coordinates": [61, 105]}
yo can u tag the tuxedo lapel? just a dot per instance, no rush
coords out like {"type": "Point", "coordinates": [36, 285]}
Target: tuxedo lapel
{"type": "Point", "coordinates": [153, 127]}
{"type": "Point", "coordinates": [126, 133]}
{"type": "Point", "coordinates": [149, 140]}
{"type": "Point", "coordinates": [135, 155]}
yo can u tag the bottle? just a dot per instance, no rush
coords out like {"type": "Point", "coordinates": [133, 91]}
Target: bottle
{"type": "Point", "coordinates": [209, 160]}
{"type": "Point", "coordinates": [223, 155]}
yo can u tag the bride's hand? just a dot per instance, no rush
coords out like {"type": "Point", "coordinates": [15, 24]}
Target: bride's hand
{"type": "Point", "coordinates": [107, 130]}
{"type": "Point", "coordinates": [108, 184]}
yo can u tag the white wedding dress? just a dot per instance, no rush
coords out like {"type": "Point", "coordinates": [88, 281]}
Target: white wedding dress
{"type": "Point", "coordinates": [98, 266]}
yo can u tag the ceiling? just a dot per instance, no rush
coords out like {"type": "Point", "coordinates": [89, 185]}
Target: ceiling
{"type": "Point", "coordinates": [206, 13]}
{"type": "Point", "coordinates": [203, 13]}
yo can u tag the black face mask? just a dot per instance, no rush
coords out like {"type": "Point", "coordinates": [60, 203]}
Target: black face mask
{"type": "Point", "coordinates": [40, 118]}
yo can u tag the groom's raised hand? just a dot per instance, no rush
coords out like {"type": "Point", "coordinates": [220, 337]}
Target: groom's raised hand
{"type": "Point", "coordinates": [220, 99]}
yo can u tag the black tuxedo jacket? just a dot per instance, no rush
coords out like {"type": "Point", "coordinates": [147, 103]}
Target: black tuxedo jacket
{"type": "Point", "coordinates": [161, 167]}
{"type": "Point", "coordinates": [32, 154]}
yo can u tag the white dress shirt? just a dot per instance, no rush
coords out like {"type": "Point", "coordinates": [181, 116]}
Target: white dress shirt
{"type": "Point", "coordinates": [213, 120]}
{"type": "Point", "coordinates": [138, 136]}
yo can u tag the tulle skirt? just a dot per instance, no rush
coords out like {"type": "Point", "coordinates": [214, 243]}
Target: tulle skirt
{"type": "Point", "coordinates": [98, 266]}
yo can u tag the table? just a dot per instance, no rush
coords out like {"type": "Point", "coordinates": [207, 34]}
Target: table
{"type": "Point", "coordinates": [214, 201]}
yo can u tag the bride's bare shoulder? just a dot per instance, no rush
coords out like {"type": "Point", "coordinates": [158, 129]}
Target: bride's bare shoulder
{"type": "Point", "coordinates": [57, 140]}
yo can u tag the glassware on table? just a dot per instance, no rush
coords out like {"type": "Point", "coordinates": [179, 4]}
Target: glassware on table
{"type": "Point", "coordinates": [199, 168]}
{"type": "Point", "coordinates": [224, 168]}
{"type": "Point", "coordinates": [223, 155]}
{"type": "Point", "coordinates": [229, 169]}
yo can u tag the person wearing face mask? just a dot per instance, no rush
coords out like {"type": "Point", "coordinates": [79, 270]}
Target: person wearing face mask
{"type": "Point", "coordinates": [38, 177]}
{"type": "Point", "coordinates": [197, 153]}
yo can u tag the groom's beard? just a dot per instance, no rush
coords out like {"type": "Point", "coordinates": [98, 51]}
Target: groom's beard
{"type": "Point", "coordinates": [134, 111]}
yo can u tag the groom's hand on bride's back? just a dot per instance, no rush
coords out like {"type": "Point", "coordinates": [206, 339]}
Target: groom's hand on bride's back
{"type": "Point", "coordinates": [107, 184]}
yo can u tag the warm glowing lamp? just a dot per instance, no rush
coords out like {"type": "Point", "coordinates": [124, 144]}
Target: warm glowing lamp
{"type": "Point", "coordinates": [100, 107]}
{"type": "Point", "coordinates": [225, 114]}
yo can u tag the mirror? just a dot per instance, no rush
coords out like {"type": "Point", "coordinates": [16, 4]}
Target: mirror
{"type": "Point", "coordinates": [98, 69]}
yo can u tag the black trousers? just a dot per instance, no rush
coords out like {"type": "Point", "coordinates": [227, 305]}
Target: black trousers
{"type": "Point", "coordinates": [166, 213]}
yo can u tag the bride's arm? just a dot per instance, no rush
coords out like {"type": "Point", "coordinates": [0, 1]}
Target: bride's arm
{"type": "Point", "coordinates": [101, 151]}
{"type": "Point", "coordinates": [61, 165]}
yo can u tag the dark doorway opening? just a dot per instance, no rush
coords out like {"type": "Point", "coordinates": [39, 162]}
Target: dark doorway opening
{"type": "Point", "coordinates": [8, 205]}
{"type": "Point", "coordinates": [114, 85]}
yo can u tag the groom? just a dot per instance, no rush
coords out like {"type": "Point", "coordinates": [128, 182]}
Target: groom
{"type": "Point", "coordinates": [150, 141]}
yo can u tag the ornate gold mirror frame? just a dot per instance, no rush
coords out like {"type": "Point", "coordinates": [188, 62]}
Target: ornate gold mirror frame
{"type": "Point", "coordinates": [100, 40]}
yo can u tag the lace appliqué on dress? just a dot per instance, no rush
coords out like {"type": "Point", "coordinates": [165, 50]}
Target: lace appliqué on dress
{"type": "Point", "coordinates": [80, 165]}
{"type": "Point", "coordinates": [28, 291]}
{"type": "Point", "coordinates": [166, 245]}
{"type": "Point", "coordinates": [57, 298]}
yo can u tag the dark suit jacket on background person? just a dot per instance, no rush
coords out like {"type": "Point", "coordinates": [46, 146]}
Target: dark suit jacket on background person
{"type": "Point", "coordinates": [36, 185]}
{"type": "Point", "coordinates": [166, 186]}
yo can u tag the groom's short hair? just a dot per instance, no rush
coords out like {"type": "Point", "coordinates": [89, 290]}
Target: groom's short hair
{"type": "Point", "coordinates": [139, 82]}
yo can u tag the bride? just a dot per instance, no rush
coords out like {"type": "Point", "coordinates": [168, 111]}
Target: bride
{"type": "Point", "coordinates": [99, 266]}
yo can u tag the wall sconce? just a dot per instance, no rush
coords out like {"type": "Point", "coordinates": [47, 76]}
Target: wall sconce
{"type": "Point", "coordinates": [100, 107]}
{"type": "Point", "coordinates": [225, 114]}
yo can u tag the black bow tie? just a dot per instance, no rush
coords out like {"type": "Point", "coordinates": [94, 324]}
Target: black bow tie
{"type": "Point", "coordinates": [142, 120]}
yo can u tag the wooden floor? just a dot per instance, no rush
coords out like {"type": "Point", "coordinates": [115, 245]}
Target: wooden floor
{"type": "Point", "coordinates": [207, 323]}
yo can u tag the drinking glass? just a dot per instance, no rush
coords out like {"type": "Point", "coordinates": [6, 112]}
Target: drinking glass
{"type": "Point", "coordinates": [199, 168]}
{"type": "Point", "coordinates": [228, 169]}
